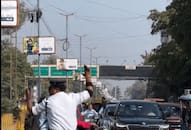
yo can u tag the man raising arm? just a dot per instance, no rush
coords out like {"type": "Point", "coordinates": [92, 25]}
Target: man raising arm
{"type": "Point", "coordinates": [61, 106]}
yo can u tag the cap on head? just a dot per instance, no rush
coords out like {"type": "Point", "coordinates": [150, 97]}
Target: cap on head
{"type": "Point", "coordinates": [60, 84]}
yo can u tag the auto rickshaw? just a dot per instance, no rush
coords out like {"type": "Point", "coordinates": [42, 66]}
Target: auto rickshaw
{"type": "Point", "coordinates": [185, 102]}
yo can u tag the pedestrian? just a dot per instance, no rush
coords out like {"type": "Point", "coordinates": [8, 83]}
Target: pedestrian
{"type": "Point", "coordinates": [43, 121]}
{"type": "Point", "coordinates": [103, 104]}
{"type": "Point", "coordinates": [61, 106]}
{"type": "Point", "coordinates": [89, 112]}
{"type": "Point", "coordinates": [186, 115]}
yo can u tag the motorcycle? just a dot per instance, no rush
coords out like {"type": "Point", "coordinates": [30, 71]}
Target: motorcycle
{"type": "Point", "coordinates": [89, 123]}
{"type": "Point", "coordinates": [93, 120]}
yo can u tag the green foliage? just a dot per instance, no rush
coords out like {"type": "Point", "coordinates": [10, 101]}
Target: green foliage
{"type": "Point", "coordinates": [172, 60]}
{"type": "Point", "coordinates": [50, 60]}
{"type": "Point", "coordinates": [116, 92]}
{"type": "Point", "coordinates": [180, 24]}
{"type": "Point", "coordinates": [137, 90]}
{"type": "Point", "coordinates": [7, 105]}
{"type": "Point", "coordinates": [14, 68]}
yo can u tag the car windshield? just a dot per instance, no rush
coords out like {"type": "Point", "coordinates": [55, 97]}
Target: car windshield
{"type": "Point", "coordinates": [172, 109]}
{"type": "Point", "coordinates": [136, 109]}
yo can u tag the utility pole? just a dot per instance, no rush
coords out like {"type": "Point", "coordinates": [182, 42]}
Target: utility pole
{"type": "Point", "coordinates": [80, 36]}
{"type": "Point", "coordinates": [38, 15]}
{"type": "Point", "coordinates": [91, 49]}
{"type": "Point", "coordinates": [96, 59]}
{"type": "Point", "coordinates": [66, 41]}
{"type": "Point", "coordinates": [80, 63]}
{"type": "Point", "coordinates": [66, 47]}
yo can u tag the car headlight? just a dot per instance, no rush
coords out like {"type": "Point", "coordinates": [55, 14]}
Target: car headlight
{"type": "Point", "coordinates": [164, 127]}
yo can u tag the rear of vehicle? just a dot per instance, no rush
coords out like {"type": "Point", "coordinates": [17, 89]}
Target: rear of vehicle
{"type": "Point", "coordinates": [138, 115]}
{"type": "Point", "coordinates": [174, 115]}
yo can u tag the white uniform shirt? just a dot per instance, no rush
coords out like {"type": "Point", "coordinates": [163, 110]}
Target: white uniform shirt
{"type": "Point", "coordinates": [61, 109]}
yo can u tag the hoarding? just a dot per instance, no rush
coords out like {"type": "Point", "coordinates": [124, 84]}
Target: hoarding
{"type": "Point", "coordinates": [38, 45]}
{"type": "Point", "coordinates": [30, 45]}
{"type": "Point", "coordinates": [9, 10]}
{"type": "Point", "coordinates": [47, 45]}
{"type": "Point", "coordinates": [66, 64]}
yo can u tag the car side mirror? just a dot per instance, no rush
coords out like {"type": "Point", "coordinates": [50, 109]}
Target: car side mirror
{"type": "Point", "coordinates": [166, 114]}
{"type": "Point", "coordinates": [111, 113]}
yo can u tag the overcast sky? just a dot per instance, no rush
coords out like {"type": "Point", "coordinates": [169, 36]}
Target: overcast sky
{"type": "Point", "coordinates": [118, 30]}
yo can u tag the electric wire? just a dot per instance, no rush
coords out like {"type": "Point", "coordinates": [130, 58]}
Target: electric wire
{"type": "Point", "coordinates": [114, 8]}
{"type": "Point", "coordinates": [47, 27]}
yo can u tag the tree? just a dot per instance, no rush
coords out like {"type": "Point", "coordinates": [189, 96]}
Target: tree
{"type": "Point", "coordinates": [116, 92]}
{"type": "Point", "coordinates": [50, 60]}
{"type": "Point", "coordinates": [14, 69]}
{"type": "Point", "coordinates": [137, 90]}
{"type": "Point", "coordinates": [173, 60]}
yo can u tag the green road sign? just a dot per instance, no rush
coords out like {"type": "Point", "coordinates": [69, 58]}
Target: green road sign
{"type": "Point", "coordinates": [55, 72]}
{"type": "Point", "coordinates": [44, 71]}
{"type": "Point", "coordinates": [50, 71]}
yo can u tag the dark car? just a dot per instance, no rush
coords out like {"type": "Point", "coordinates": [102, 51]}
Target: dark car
{"type": "Point", "coordinates": [105, 121]}
{"type": "Point", "coordinates": [138, 115]}
{"type": "Point", "coordinates": [173, 111]}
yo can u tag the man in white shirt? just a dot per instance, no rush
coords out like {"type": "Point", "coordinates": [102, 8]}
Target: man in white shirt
{"type": "Point", "coordinates": [61, 106]}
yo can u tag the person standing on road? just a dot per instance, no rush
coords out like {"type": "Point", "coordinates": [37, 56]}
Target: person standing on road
{"type": "Point", "coordinates": [61, 106]}
{"type": "Point", "coordinates": [103, 104]}
{"type": "Point", "coordinates": [186, 116]}
{"type": "Point", "coordinates": [43, 121]}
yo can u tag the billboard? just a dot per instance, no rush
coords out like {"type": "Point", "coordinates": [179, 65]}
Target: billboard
{"type": "Point", "coordinates": [38, 45]}
{"type": "Point", "coordinates": [66, 64]}
{"type": "Point", "coordinates": [9, 10]}
{"type": "Point", "coordinates": [47, 45]}
{"type": "Point", "coordinates": [30, 45]}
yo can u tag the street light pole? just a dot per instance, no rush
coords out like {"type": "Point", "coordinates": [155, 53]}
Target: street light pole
{"type": "Point", "coordinates": [38, 27]}
{"type": "Point", "coordinates": [96, 59]}
{"type": "Point", "coordinates": [80, 36]}
{"type": "Point", "coordinates": [66, 41]}
{"type": "Point", "coordinates": [91, 49]}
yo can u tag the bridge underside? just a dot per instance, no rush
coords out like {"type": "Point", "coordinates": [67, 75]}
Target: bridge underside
{"type": "Point", "coordinates": [124, 73]}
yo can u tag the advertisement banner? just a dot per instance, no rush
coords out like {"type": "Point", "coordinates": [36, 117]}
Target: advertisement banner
{"type": "Point", "coordinates": [30, 45]}
{"type": "Point", "coordinates": [66, 64]}
{"type": "Point", "coordinates": [47, 45]}
{"type": "Point", "coordinates": [9, 10]}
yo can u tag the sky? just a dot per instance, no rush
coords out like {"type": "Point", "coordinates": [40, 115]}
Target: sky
{"type": "Point", "coordinates": [114, 32]}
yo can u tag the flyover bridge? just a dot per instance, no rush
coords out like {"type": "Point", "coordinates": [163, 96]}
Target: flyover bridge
{"type": "Point", "coordinates": [127, 72]}
{"type": "Point", "coordinates": [123, 72]}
